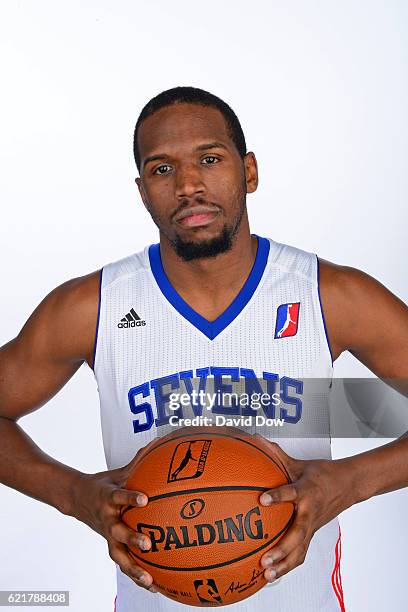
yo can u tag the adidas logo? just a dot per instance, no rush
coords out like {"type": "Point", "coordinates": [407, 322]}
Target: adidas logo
{"type": "Point", "coordinates": [131, 320]}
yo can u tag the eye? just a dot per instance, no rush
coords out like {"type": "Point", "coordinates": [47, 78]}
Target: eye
{"type": "Point", "coordinates": [216, 159]}
{"type": "Point", "coordinates": [159, 168]}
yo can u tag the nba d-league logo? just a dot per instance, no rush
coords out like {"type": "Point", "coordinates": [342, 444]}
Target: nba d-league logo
{"type": "Point", "coordinates": [287, 320]}
{"type": "Point", "coordinates": [188, 460]}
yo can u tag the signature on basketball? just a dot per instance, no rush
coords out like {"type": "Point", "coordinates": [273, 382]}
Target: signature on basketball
{"type": "Point", "coordinates": [243, 586]}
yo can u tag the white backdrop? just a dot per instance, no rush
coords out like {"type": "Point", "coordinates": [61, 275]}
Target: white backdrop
{"type": "Point", "coordinates": [321, 91]}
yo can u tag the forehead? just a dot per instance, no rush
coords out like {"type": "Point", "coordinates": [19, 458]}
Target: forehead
{"type": "Point", "coordinates": [181, 126]}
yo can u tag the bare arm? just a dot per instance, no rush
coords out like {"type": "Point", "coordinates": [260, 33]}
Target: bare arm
{"type": "Point", "coordinates": [368, 320]}
{"type": "Point", "coordinates": [34, 366]}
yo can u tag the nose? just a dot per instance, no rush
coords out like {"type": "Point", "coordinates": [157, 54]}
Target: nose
{"type": "Point", "coordinates": [188, 181]}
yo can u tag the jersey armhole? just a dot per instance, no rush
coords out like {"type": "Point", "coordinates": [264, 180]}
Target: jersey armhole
{"type": "Point", "coordinates": [97, 320]}
{"type": "Point", "coordinates": [321, 309]}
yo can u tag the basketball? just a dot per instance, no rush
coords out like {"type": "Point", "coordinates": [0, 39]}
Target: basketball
{"type": "Point", "coordinates": [207, 527]}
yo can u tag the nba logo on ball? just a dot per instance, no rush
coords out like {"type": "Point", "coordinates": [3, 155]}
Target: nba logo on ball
{"type": "Point", "coordinates": [287, 319]}
{"type": "Point", "coordinates": [188, 460]}
{"type": "Point", "coordinates": [207, 591]}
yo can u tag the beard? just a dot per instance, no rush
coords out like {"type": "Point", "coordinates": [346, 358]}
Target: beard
{"type": "Point", "coordinates": [188, 250]}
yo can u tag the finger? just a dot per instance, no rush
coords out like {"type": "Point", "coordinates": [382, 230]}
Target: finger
{"type": "Point", "coordinates": [295, 558]}
{"type": "Point", "coordinates": [120, 532]}
{"type": "Point", "coordinates": [295, 537]}
{"type": "Point", "coordinates": [285, 493]}
{"type": "Point", "coordinates": [120, 555]}
{"type": "Point", "coordinates": [123, 497]}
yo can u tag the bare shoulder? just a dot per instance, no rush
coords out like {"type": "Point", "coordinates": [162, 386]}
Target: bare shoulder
{"type": "Point", "coordinates": [72, 308]}
{"type": "Point", "coordinates": [342, 284]}
{"type": "Point", "coordinates": [356, 307]}
{"type": "Point", "coordinates": [346, 282]}
{"type": "Point", "coordinates": [53, 343]}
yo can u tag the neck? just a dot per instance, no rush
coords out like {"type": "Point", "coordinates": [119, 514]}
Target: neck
{"type": "Point", "coordinates": [207, 276]}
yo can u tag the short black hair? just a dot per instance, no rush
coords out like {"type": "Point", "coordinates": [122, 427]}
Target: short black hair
{"type": "Point", "coordinates": [191, 95]}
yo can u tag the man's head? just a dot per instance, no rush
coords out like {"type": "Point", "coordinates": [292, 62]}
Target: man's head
{"type": "Point", "coordinates": [194, 170]}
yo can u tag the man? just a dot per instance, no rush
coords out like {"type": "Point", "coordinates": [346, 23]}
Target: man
{"type": "Point", "coordinates": [209, 301]}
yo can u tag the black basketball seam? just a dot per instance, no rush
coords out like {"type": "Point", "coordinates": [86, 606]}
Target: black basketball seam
{"type": "Point", "coordinates": [203, 489]}
{"type": "Point", "coordinates": [283, 468]}
{"type": "Point", "coordinates": [208, 567]}
{"type": "Point", "coordinates": [125, 509]}
{"type": "Point", "coordinates": [222, 435]}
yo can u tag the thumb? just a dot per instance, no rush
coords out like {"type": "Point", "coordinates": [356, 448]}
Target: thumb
{"type": "Point", "coordinates": [126, 497]}
{"type": "Point", "coordinates": [285, 493]}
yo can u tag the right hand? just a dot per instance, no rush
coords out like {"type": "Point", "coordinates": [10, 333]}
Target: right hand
{"type": "Point", "coordinates": [98, 500]}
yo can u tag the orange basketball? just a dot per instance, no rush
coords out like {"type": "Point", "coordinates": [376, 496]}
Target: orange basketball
{"type": "Point", "coordinates": [207, 527]}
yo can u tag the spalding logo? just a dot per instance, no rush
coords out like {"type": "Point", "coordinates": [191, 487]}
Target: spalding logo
{"type": "Point", "coordinates": [192, 508]}
{"type": "Point", "coordinates": [225, 530]}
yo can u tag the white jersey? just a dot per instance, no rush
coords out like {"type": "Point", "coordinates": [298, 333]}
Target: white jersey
{"type": "Point", "coordinates": [150, 343]}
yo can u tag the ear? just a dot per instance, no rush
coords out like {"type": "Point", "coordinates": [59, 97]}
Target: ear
{"type": "Point", "coordinates": [251, 172]}
{"type": "Point", "coordinates": [142, 192]}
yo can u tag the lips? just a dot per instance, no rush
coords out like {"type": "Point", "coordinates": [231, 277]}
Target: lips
{"type": "Point", "coordinates": [196, 216]}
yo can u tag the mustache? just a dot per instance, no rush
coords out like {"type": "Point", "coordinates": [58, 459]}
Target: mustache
{"type": "Point", "coordinates": [198, 201]}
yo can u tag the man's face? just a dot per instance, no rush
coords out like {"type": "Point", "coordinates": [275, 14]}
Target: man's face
{"type": "Point", "coordinates": [192, 178]}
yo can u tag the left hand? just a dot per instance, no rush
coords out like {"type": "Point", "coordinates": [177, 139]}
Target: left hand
{"type": "Point", "coordinates": [320, 490]}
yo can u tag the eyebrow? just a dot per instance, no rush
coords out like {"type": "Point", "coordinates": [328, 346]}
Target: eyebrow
{"type": "Point", "coordinates": [203, 147]}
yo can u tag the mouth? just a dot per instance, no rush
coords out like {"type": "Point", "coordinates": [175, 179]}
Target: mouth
{"type": "Point", "coordinates": [197, 216]}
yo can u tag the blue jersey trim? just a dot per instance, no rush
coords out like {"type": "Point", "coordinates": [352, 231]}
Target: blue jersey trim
{"type": "Point", "coordinates": [97, 319]}
{"type": "Point", "coordinates": [321, 309]}
{"type": "Point", "coordinates": [211, 328]}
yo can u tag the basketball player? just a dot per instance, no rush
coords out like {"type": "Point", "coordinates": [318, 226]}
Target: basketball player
{"type": "Point", "coordinates": [209, 297]}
